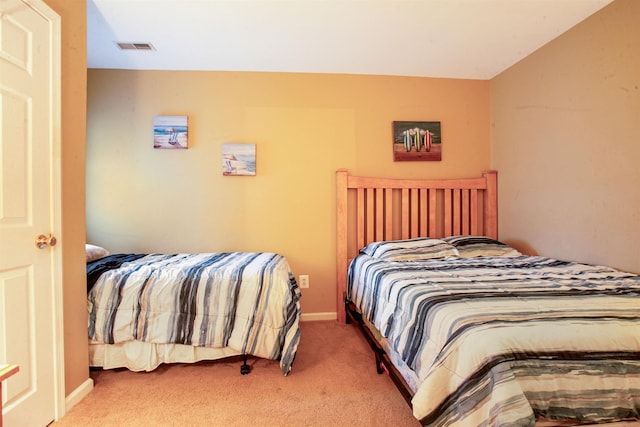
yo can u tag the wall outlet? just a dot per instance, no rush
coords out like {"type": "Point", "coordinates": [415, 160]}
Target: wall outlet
{"type": "Point", "coordinates": [304, 281]}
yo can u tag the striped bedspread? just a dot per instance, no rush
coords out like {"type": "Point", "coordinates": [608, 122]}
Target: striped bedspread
{"type": "Point", "coordinates": [498, 341]}
{"type": "Point", "coordinates": [246, 301]}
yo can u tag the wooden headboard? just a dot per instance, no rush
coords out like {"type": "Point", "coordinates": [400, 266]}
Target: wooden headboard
{"type": "Point", "coordinates": [377, 209]}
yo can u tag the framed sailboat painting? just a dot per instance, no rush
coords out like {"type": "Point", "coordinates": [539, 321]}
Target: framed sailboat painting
{"type": "Point", "coordinates": [238, 159]}
{"type": "Point", "coordinates": [170, 132]}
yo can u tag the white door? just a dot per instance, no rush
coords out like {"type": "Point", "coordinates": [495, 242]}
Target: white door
{"type": "Point", "coordinates": [30, 276]}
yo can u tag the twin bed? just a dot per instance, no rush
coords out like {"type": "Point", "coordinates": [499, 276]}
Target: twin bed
{"type": "Point", "coordinates": [148, 309]}
{"type": "Point", "coordinates": [471, 331]}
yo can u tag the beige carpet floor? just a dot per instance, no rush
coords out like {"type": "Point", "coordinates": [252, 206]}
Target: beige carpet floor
{"type": "Point", "coordinates": [333, 383]}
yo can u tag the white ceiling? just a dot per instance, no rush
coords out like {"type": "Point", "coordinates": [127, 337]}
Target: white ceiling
{"type": "Point", "coordinates": [471, 39]}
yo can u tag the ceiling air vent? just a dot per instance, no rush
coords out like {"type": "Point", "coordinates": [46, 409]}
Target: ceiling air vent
{"type": "Point", "coordinates": [135, 46]}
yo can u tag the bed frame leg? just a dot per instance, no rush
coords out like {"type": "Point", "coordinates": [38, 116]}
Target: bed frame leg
{"type": "Point", "coordinates": [347, 317]}
{"type": "Point", "coordinates": [245, 368]}
{"type": "Point", "coordinates": [379, 368]}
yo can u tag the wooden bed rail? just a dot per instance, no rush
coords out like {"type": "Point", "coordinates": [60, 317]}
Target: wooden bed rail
{"type": "Point", "coordinates": [376, 209]}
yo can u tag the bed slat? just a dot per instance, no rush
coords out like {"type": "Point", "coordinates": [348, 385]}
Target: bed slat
{"type": "Point", "coordinates": [433, 203]}
{"type": "Point", "coordinates": [457, 213]}
{"type": "Point", "coordinates": [424, 206]}
{"type": "Point", "coordinates": [474, 217]}
{"type": "Point", "coordinates": [466, 217]}
{"type": "Point", "coordinates": [388, 196]}
{"type": "Point", "coordinates": [404, 202]}
{"type": "Point", "coordinates": [414, 219]}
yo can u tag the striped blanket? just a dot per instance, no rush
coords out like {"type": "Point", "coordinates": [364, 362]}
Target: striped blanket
{"type": "Point", "coordinates": [246, 301]}
{"type": "Point", "coordinates": [499, 341]}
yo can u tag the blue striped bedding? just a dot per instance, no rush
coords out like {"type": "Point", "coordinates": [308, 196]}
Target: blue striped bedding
{"type": "Point", "coordinates": [243, 300]}
{"type": "Point", "coordinates": [503, 341]}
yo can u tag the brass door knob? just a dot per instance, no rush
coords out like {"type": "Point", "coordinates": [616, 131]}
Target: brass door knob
{"type": "Point", "coordinates": [43, 241]}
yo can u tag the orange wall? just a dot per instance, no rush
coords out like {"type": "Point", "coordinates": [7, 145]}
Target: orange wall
{"type": "Point", "coordinates": [305, 127]}
{"type": "Point", "coordinates": [72, 237]}
{"type": "Point", "coordinates": [565, 123]}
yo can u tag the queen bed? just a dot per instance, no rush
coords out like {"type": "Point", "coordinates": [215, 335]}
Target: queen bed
{"type": "Point", "coordinates": [471, 331]}
{"type": "Point", "coordinates": [148, 309]}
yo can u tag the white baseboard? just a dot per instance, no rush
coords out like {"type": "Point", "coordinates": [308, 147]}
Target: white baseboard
{"type": "Point", "coordinates": [318, 316]}
{"type": "Point", "coordinates": [78, 394]}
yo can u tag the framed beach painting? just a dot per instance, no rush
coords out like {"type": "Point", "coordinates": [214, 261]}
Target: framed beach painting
{"type": "Point", "coordinates": [417, 141]}
{"type": "Point", "coordinates": [170, 132]}
{"type": "Point", "coordinates": [238, 159]}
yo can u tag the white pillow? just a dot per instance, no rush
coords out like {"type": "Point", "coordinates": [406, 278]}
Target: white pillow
{"type": "Point", "coordinates": [95, 252]}
{"type": "Point", "coordinates": [419, 249]}
{"type": "Point", "coordinates": [478, 246]}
